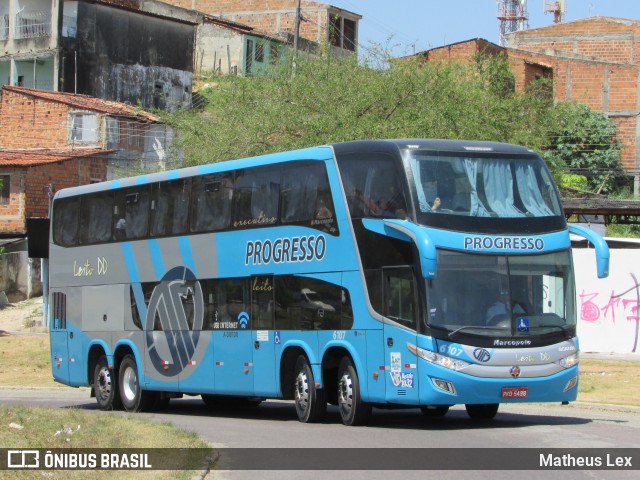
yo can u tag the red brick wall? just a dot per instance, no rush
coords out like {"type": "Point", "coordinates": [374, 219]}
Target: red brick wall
{"type": "Point", "coordinates": [605, 87]}
{"type": "Point", "coordinates": [274, 16]}
{"type": "Point", "coordinates": [614, 40]}
{"type": "Point", "coordinates": [626, 127]}
{"type": "Point", "coordinates": [32, 123]}
{"type": "Point", "coordinates": [30, 188]}
{"type": "Point", "coordinates": [463, 51]}
{"type": "Point", "coordinates": [12, 214]}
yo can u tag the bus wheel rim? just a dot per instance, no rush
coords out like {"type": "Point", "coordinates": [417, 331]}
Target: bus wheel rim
{"type": "Point", "coordinates": [302, 391]}
{"type": "Point", "coordinates": [129, 384]}
{"type": "Point", "coordinates": [345, 394]}
{"type": "Point", "coordinates": [104, 383]}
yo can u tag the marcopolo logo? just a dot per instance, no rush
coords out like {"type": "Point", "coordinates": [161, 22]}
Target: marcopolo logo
{"type": "Point", "coordinates": [174, 319]}
{"type": "Point", "coordinates": [482, 355]}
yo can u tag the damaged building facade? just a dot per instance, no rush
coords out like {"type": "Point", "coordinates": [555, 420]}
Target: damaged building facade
{"type": "Point", "coordinates": [108, 49]}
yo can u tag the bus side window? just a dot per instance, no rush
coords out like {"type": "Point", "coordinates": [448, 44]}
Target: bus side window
{"type": "Point", "coordinates": [170, 208]}
{"type": "Point", "coordinates": [262, 304]}
{"type": "Point", "coordinates": [256, 197]}
{"type": "Point", "coordinates": [288, 311]}
{"type": "Point", "coordinates": [211, 199]}
{"type": "Point", "coordinates": [306, 197]}
{"type": "Point", "coordinates": [303, 303]}
{"type": "Point", "coordinates": [96, 218]}
{"type": "Point", "coordinates": [131, 213]}
{"type": "Point", "coordinates": [400, 295]}
{"type": "Point", "coordinates": [66, 221]}
{"type": "Point", "coordinates": [372, 185]}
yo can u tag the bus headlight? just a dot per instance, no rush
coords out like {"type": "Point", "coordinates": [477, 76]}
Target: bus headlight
{"type": "Point", "coordinates": [437, 359]}
{"type": "Point", "coordinates": [568, 362]}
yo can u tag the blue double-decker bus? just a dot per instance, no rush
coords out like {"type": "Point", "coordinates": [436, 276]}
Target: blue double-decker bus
{"type": "Point", "coordinates": [391, 273]}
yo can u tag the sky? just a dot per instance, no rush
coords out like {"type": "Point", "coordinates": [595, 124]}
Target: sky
{"type": "Point", "coordinates": [408, 26]}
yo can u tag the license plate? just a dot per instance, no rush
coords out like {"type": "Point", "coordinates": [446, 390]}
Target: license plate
{"type": "Point", "coordinates": [515, 392]}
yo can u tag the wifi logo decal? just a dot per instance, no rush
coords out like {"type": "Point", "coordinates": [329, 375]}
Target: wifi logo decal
{"type": "Point", "coordinates": [243, 318]}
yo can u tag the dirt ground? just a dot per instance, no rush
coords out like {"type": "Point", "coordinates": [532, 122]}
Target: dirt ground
{"type": "Point", "coordinates": [22, 317]}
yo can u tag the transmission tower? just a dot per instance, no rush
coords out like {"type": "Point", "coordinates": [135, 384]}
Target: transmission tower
{"type": "Point", "coordinates": [557, 7]}
{"type": "Point", "coordinates": [513, 16]}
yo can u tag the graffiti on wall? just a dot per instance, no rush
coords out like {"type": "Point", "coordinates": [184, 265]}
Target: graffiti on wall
{"type": "Point", "coordinates": [595, 307]}
{"type": "Point", "coordinates": [608, 319]}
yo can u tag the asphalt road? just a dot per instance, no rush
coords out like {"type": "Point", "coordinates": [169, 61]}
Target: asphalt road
{"type": "Point", "coordinates": [273, 424]}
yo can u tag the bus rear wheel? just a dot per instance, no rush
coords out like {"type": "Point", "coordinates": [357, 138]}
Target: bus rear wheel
{"type": "Point", "coordinates": [353, 411]}
{"type": "Point", "coordinates": [311, 402]}
{"type": "Point", "coordinates": [482, 411]}
{"type": "Point", "coordinates": [133, 397]}
{"type": "Point", "coordinates": [105, 385]}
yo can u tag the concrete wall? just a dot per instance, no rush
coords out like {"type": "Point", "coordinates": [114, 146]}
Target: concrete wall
{"type": "Point", "coordinates": [20, 276]}
{"type": "Point", "coordinates": [608, 308]}
{"type": "Point", "coordinates": [219, 49]}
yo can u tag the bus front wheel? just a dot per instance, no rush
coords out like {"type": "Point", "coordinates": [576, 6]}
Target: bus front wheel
{"type": "Point", "coordinates": [133, 397]}
{"type": "Point", "coordinates": [353, 411]}
{"type": "Point", "coordinates": [482, 411]}
{"type": "Point", "coordinates": [105, 385]}
{"type": "Point", "coordinates": [311, 402]}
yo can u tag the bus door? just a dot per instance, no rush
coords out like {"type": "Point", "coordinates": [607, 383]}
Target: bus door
{"type": "Point", "coordinates": [233, 338]}
{"type": "Point", "coordinates": [58, 335]}
{"type": "Point", "coordinates": [400, 306]}
{"type": "Point", "coordinates": [263, 335]}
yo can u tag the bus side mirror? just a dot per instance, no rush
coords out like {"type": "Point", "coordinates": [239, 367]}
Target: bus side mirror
{"type": "Point", "coordinates": [408, 232]}
{"type": "Point", "coordinates": [600, 245]}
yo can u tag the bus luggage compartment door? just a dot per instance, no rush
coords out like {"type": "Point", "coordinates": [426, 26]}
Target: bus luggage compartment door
{"type": "Point", "coordinates": [59, 355]}
{"type": "Point", "coordinates": [58, 337]}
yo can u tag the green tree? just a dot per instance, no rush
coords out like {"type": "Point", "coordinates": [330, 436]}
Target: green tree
{"type": "Point", "coordinates": [324, 99]}
{"type": "Point", "coordinates": [583, 142]}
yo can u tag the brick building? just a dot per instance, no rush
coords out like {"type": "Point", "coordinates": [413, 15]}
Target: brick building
{"type": "Point", "coordinates": [52, 140]}
{"type": "Point", "coordinates": [320, 22]}
{"type": "Point", "coordinates": [55, 120]}
{"type": "Point", "coordinates": [595, 61]}
{"type": "Point", "coordinates": [30, 176]}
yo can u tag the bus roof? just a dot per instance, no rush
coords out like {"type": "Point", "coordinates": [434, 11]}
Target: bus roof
{"type": "Point", "coordinates": [323, 152]}
{"type": "Point", "coordinates": [461, 146]}
{"type": "Point", "coordinates": [314, 153]}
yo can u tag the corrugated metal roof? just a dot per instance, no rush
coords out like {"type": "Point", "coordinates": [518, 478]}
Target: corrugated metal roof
{"type": "Point", "coordinates": [86, 102]}
{"type": "Point", "coordinates": [35, 157]}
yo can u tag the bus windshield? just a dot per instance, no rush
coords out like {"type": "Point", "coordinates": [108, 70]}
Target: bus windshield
{"type": "Point", "coordinates": [502, 295]}
{"type": "Point", "coordinates": [482, 185]}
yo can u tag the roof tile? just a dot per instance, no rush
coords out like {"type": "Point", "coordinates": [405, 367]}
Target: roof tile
{"type": "Point", "coordinates": [89, 103]}
{"type": "Point", "coordinates": [34, 157]}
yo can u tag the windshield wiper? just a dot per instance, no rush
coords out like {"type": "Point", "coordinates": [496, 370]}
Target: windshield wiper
{"type": "Point", "coordinates": [477, 327]}
{"type": "Point", "coordinates": [564, 330]}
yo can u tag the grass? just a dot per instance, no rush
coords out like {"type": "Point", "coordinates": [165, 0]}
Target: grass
{"type": "Point", "coordinates": [609, 381]}
{"type": "Point", "coordinates": [24, 361]}
{"type": "Point", "coordinates": [72, 428]}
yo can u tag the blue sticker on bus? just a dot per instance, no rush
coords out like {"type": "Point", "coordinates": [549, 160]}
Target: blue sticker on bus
{"type": "Point", "coordinates": [523, 324]}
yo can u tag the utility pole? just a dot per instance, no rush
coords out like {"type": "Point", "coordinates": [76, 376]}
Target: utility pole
{"type": "Point", "coordinates": [297, 29]}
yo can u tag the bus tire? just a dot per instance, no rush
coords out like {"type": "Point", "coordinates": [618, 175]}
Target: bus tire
{"type": "Point", "coordinates": [105, 385]}
{"type": "Point", "coordinates": [482, 411]}
{"type": "Point", "coordinates": [353, 411]}
{"type": "Point", "coordinates": [311, 402]}
{"type": "Point", "coordinates": [133, 397]}
{"type": "Point", "coordinates": [433, 411]}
